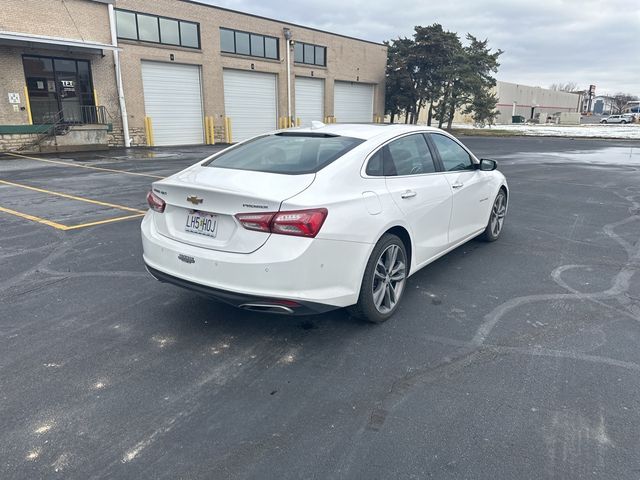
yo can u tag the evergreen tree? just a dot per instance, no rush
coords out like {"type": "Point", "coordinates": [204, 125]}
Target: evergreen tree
{"type": "Point", "coordinates": [400, 91]}
{"type": "Point", "coordinates": [435, 71]}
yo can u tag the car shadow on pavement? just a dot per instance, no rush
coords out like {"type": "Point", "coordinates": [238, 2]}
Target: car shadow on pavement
{"type": "Point", "coordinates": [199, 314]}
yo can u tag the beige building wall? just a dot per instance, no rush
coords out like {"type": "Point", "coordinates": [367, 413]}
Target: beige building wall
{"type": "Point", "coordinates": [73, 19]}
{"type": "Point", "coordinates": [347, 59]}
{"type": "Point", "coordinates": [12, 81]}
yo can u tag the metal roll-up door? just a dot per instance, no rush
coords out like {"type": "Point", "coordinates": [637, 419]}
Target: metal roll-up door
{"type": "Point", "coordinates": [173, 101]}
{"type": "Point", "coordinates": [353, 102]}
{"type": "Point", "coordinates": [309, 100]}
{"type": "Point", "coordinates": [250, 100]}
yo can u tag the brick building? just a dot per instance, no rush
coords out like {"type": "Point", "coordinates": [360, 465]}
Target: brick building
{"type": "Point", "coordinates": [188, 72]}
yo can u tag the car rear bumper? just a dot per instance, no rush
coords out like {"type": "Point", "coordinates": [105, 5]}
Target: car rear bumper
{"type": "Point", "coordinates": [318, 274]}
{"type": "Point", "coordinates": [240, 300]}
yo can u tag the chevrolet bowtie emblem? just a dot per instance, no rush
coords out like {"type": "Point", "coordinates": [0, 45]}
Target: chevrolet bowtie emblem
{"type": "Point", "coordinates": [194, 199]}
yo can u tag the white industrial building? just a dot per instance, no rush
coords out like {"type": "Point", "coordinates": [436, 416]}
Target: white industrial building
{"type": "Point", "coordinates": [533, 102]}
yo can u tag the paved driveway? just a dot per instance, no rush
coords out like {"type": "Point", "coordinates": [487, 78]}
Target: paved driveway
{"type": "Point", "coordinates": [516, 359]}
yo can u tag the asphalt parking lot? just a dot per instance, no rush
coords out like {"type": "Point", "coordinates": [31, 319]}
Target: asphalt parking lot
{"type": "Point", "coordinates": [516, 359]}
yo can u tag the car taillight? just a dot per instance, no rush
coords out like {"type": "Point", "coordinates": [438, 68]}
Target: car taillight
{"type": "Point", "coordinates": [155, 202]}
{"type": "Point", "coordinates": [301, 223]}
{"type": "Point", "coordinates": [256, 221]}
{"type": "Point", "coordinates": [304, 223]}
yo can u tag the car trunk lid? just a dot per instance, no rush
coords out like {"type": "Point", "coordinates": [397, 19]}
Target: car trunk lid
{"type": "Point", "coordinates": [211, 197]}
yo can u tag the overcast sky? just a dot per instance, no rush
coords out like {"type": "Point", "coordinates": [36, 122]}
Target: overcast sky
{"type": "Point", "coordinates": [544, 41]}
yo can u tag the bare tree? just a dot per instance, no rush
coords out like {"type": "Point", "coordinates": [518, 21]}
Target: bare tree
{"type": "Point", "coordinates": [564, 87]}
{"type": "Point", "coordinates": [620, 100]}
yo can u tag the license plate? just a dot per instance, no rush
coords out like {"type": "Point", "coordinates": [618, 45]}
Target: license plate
{"type": "Point", "coordinates": [202, 223]}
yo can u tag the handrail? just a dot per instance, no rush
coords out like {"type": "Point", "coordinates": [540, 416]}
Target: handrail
{"type": "Point", "coordinates": [48, 130]}
{"type": "Point", "coordinates": [85, 114]}
{"type": "Point", "coordinates": [94, 114]}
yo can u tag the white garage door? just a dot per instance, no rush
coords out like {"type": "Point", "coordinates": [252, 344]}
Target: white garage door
{"type": "Point", "coordinates": [309, 100]}
{"type": "Point", "coordinates": [250, 102]}
{"type": "Point", "coordinates": [353, 102]}
{"type": "Point", "coordinates": [173, 100]}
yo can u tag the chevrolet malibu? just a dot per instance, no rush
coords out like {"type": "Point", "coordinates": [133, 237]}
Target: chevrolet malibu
{"type": "Point", "coordinates": [313, 219]}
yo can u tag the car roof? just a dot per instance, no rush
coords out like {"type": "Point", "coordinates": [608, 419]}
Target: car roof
{"type": "Point", "coordinates": [365, 131]}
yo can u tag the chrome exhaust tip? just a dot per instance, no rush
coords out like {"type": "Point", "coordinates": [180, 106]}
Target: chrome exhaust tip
{"type": "Point", "coordinates": [266, 308]}
{"type": "Point", "coordinates": [152, 275]}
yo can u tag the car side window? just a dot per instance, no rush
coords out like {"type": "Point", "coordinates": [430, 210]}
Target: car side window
{"type": "Point", "coordinates": [375, 166]}
{"type": "Point", "coordinates": [453, 156]}
{"type": "Point", "coordinates": [408, 155]}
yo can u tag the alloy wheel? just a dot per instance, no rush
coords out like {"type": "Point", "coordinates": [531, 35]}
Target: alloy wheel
{"type": "Point", "coordinates": [497, 214]}
{"type": "Point", "coordinates": [388, 278]}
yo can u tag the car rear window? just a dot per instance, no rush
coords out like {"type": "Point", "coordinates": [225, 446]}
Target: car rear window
{"type": "Point", "coordinates": [291, 153]}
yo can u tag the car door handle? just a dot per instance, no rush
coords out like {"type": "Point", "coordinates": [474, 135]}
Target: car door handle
{"type": "Point", "coordinates": [457, 185]}
{"type": "Point", "coordinates": [408, 194]}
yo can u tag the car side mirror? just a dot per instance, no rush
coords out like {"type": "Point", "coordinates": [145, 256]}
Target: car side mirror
{"type": "Point", "coordinates": [487, 165]}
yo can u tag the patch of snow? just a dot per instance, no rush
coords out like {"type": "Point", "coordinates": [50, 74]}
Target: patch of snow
{"type": "Point", "coordinates": [290, 357]}
{"type": "Point", "coordinates": [162, 341]}
{"type": "Point", "coordinates": [629, 131]}
{"type": "Point", "coordinates": [43, 428]}
{"type": "Point", "coordinates": [33, 454]}
{"type": "Point", "coordinates": [99, 385]}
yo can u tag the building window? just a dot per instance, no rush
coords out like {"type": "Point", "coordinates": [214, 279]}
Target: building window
{"type": "Point", "coordinates": [271, 47]}
{"type": "Point", "coordinates": [169, 32]}
{"type": "Point", "coordinates": [148, 28]}
{"type": "Point", "coordinates": [155, 29]}
{"type": "Point", "coordinates": [310, 54]}
{"type": "Point", "coordinates": [245, 43]}
{"type": "Point", "coordinates": [126, 25]}
{"type": "Point", "coordinates": [189, 34]}
{"type": "Point", "coordinates": [60, 89]}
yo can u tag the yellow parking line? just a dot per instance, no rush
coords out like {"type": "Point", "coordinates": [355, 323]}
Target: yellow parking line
{"type": "Point", "coordinates": [65, 228]}
{"type": "Point", "coordinates": [33, 218]}
{"type": "Point", "coordinates": [67, 164]}
{"type": "Point", "coordinates": [101, 222]}
{"type": "Point", "coordinates": [72, 197]}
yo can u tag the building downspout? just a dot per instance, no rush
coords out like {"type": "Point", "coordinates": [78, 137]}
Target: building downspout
{"type": "Point", "coordinates": [287, 36]}
{"type": "Point", "coordinates": [116, 60]}
{"type": "Point", "coordinates": [288, 83]}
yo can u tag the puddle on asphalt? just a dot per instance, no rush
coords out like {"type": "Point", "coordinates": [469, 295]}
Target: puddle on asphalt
{"type": "Point", "coordinates": [603, 156]}
{"type": "Point", "coordinates": [134, 156]}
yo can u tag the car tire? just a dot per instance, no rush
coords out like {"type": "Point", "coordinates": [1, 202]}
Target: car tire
{"type": "Point", "coordinates": [603, 121]}
{"type": "Point", "coordinates": [496, 218]}
{"type": "Point", "coordinates": [384, 280]}
{"type": "Point", "coordinates": [623, 122]}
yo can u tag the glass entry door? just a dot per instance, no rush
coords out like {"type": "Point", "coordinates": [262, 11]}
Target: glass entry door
{"type": "Point", "coordinates": [67, 90]}
{"type": "Point", "coordinates": [59, 88]}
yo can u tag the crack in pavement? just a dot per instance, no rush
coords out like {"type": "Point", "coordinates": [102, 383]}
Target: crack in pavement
{"type": "Point", "coordinates": [477, 350]}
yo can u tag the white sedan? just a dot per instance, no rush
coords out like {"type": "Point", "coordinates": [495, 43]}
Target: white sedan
{"type": "Point", "coordinates": [308, 220]}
